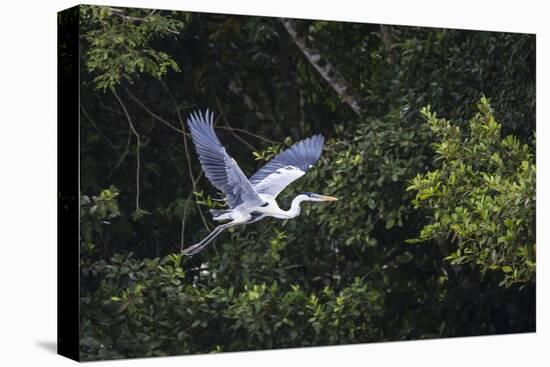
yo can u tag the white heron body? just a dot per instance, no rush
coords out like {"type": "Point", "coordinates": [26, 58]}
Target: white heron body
{"type": "Point", "coordinates": [251, 200]}
{"type": "Point", "coordinates": [272, 209]}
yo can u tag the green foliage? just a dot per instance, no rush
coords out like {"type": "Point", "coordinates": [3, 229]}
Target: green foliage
{"type": "Point", "coordinates": [451, 69]}
{"type": "Point", "coordinates": [266, 316]}
{"type": "Point", "coordinates": [119, 43]}
{"type": "Point", "coordinates": [482, 197]}
{"type": "Point", "coordinates": [367, 168]}
{"type": "Point", "coordinates": [97, 210]}
{"type": "Point", "coordinates": [271, 151]}
{"type": "Point", "coordinates": [145, 308]}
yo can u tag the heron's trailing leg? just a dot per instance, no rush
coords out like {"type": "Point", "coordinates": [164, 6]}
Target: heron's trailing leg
{"type": "Point", "coordinates": [194, 249]}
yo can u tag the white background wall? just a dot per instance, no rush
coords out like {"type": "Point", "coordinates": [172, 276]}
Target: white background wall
{"type": "Point", "coordinates": [28, 182]}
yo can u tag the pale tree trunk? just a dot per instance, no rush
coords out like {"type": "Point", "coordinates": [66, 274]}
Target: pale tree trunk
{"type": "Point", "coordinates": [327, 71]}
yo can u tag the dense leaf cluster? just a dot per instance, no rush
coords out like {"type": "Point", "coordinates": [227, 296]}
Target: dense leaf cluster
{"type": "Point", "coordinates": [119, 43]}
{"type": "Point", "coordinates": [148, 308]}
{"type": "Point", "coordinates": [482, 196]}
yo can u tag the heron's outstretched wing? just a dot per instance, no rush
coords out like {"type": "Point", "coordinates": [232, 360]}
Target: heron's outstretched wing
{"type": "Point", "coordinates": [288, 166]}
{"type": "Point", "coordinates": [218, 166]}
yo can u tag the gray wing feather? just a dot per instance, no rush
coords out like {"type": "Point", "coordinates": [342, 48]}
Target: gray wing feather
{"type": "Point", "coordinates": [218, 166]}
{"type": "Point", "coordinates": [288, 166]}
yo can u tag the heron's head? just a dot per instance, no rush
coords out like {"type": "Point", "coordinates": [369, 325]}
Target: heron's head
{"type": "Point", "coordinates": [318, 197]}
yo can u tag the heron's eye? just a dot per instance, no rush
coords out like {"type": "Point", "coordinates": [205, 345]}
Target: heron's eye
{"type": "Point", "coordinates": [264, 205]}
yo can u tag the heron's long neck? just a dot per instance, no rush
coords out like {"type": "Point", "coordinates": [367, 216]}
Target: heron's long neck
{"type": "Point", "coordinates": [294, 210]}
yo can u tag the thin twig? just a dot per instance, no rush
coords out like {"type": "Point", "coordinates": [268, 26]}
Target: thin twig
{"type": "Point", "coordinates": [227, 123]}
{"type": "Point", "coordinates": [109, 142]}
{"type": "Point", "coordinates": [247, 133]}
{"type": "Point", "coordinates": [154, 115]}
{"type": "Point", "coordinates": [122, 156]}
{"type": "Point", "coordinates": [385, 32]}
{"type": "Point", "coordinates": [138, 146]}
{"type": "Point", "coordinates": [122, 14]}
{"type": "Point", "coordinates": [187, 156]}
{"type": "Point", "coordinates": [302, 106]}
{"type": "Point", "coordinates": [182, 234]}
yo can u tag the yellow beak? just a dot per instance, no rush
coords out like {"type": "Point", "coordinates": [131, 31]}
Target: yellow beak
{"type": "Point", "coordinates": [328, 198]}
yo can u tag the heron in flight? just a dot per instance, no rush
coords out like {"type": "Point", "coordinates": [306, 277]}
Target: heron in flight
{"type": "Point", "coordinates": [250, 200]}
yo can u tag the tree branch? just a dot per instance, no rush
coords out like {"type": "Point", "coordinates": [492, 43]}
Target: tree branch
{"type": "Point", "coordinates": [385, 32]}
{"type": "Point", "coordinates": [109, 142]}
{"type": "Point", "coordinates": [138, 147]}
{"type": "Point", "coordinates": [327, 71]}
{"type": "Point", "coordinates": [231, 128]}
{"type": "Point", "coordinates": [122, 156]}
{"type": "Point", "coordinates": [154, 115]}
{"type": "Point", "coordinates": [187, 156]}
{"type": "Point", "coordinates": [227, 123]}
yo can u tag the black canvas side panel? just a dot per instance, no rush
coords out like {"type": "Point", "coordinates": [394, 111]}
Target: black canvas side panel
{"type": "Point", "coordinates": [68, 184]}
